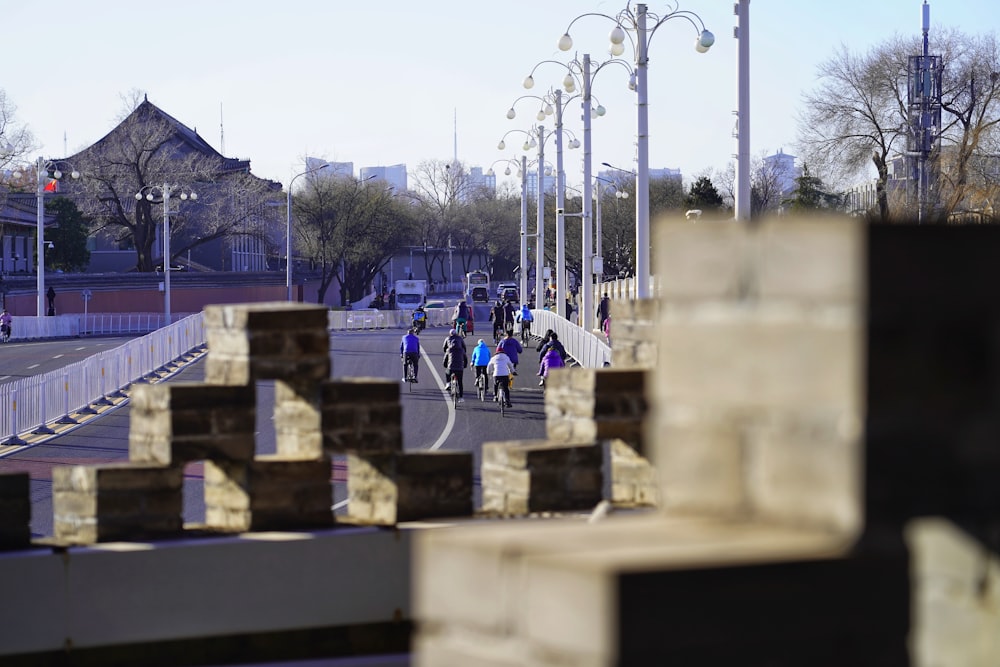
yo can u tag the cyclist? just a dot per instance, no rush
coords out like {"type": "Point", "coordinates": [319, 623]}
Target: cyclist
{"type": "Point", "coordinates": [525, 317]}
{"type": "Point", "coordinates": [5, 322]}
{"type": "Point", "coordinates": [508, 316]}
{"type": "Point", "coordinates": [455, 360]}
{"type": "Point", "coordinates": [419, 319]}
{"type": "Point", "coordinates": [409, 352]}
{"type": "Point", "coordinates": [552, 359]}
{"type": "Point", "coordinates": [511, 347]}
{"type": "Point", "coordinates": [552, 344]}
{"type": "Point", "coordinates": [497, 315]}
{"type": "Point", "coordinates": [480, 358]}
{"type": "Point", "coordinates": [461, 316]}
{"type": "Point", "coordinates": [501, 368]}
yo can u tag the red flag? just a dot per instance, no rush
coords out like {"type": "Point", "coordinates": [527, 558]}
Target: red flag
{"type": "Point", "coordinates": [52, 186]}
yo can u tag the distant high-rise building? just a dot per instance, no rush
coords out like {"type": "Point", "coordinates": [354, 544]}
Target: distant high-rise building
{"type": "Point", "coordinates": [394, 175]}
{"type": "Point", "coordinates": [479, 180]}
{"type": "Point", "coordinates": [334, 168]}
{"type": "Point", "coordinates": [666, 172]}
{"type": "Point", "coordinates": [548, 183]}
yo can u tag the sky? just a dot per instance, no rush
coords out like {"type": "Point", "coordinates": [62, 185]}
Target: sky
{"type": "Point", "coordinates": [409, 81]}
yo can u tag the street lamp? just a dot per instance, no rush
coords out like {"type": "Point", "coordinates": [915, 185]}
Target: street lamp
{"type": "Point", "coordinates": [288, 229]}
{"type": "Point", "coordinates": [42, 168]}
{"type": "Point", "coordinates": [628, 23]}
{"type": "Point", "coordinates": [147, 192]}
{"type": "Point", "coordinates": [601, 191]}
{"type": "Point", "coordinates": [522, 172]}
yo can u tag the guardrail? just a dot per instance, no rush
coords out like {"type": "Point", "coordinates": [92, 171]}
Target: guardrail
{"type": "Point", "coordinates": [588, 350]}
{"type": "Point", "coordinates": [28, 405]}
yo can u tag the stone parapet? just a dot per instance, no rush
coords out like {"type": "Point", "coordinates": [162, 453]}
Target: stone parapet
{"type": "Point", "coordinates": [633, 333]}
{"type": "Point", "coordinates": [268, 493]}
{"type": "Point", "coordinates": [15, 511]}
{"type": "Point", "coordinates": [362, 416]}
{"type": "Point", "coordinates": [384, 489]}
{"type": "Point", "coordinates": [116, 501]}
{"type": "Point", "coordinates": [524, 476]}
{"type": "Point", "coordinates": [182, 422]}
{"type": "Point", "coordinates": [587, 404]}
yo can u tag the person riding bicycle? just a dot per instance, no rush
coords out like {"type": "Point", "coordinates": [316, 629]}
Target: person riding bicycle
{"type": "Point", "coordinates": [525, 317]}
{"type": "Point", "coordinates": [419, 319]}
{"type": "Point", "coordinates": [552, 344]}
{"type": "Point", "coordinates": [461, 316]}
{"type": "Point", "coordinates": [501, 368]}
{"type": "Point", "coordinates": [5, 322]}
{"type": "Point", "coordinates": [511, 347]}
{"type": "Point", "coordinates": [497, 314]}
{"type": "Point", "coordinates": [455, 360]}
{"type": "Point", "coordinates": [409, 352]}
{"type": "Point", "coordinates": [552, 359]}
{"type": "Point", "coordinates": [480, 358]}
{"type": "Point", "coordinates": [509, 313]}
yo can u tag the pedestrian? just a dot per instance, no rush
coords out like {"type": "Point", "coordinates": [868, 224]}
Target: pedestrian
{"type": "Point", "coordinates": [603, 311]}
{"type": "Point", "coordinates": [455, 361]}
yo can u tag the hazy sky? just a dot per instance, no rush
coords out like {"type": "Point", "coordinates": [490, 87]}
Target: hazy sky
{"type": "Point", "coordinates": [382, 83]}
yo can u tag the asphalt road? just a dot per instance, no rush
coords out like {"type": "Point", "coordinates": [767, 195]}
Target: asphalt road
{"type": "Point", "coordinates": [429, 421]}
{"type": "Point", "coordinates": [19, 359]}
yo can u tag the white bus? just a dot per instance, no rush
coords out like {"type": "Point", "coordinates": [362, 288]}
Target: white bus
{"type": "Point", "coordinates": [477, 279]}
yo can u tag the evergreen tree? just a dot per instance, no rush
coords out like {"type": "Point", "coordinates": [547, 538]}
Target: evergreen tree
{"type": "Point", "coordinates": [811, 195]}
{"type": "Point", "coordinates": [68, 236]}
{"type": "Point", "coordinates": [704, 196]}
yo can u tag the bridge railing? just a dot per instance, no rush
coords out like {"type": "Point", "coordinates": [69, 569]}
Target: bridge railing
{"type": "Point", "coordinates": [29, 404]}
{"type": "Point", "coordinates": [588, 350]}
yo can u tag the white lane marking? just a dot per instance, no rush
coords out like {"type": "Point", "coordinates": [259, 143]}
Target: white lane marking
{"type": "Point", "coordinates": [449, 425]}
{"type": "Point", "coordinates": [81, 348]}
{"type": "Point", "coordinates": [58, 356]}
{"type": "Point", "coordinates": [33, 366]}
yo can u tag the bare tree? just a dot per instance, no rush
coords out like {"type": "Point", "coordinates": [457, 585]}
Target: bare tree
{"type": "Point", "coordinates": [765, 184]}
{"type": "Point", "coordinates": [859, 112]}
{"type": "Point", "coordinates": [16, 140]}
{"type": "Point", "coordinates": [348, 230]}
{"type": "Point", "coordinates": [149, 150]}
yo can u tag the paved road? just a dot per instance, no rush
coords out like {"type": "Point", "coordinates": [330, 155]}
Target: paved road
{"type": "Point", "coordinates": [19, 359]}
{"type": "Point", "coordinates": [428, 420]}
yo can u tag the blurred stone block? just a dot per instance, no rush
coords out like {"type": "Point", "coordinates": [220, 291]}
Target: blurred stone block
{"type": "Point", "coordinates": [634, 482]}
{"type": "Point", "coordinates": [15, 510]}
{"type": "Point", "coordinates": [587, 404]}
{"type": "Point", "coordinates": [386, 488]}
{"type": "Point", "coordinates": [181, 422]}
{"type": "Point", "coordinates": [361, 415]}
{"type": "Point", "coordinates": [116, 501]}
{"type": "Point", "coordinates": [524, 476]}
{"type": "Point", "coordinates": [633, 333]}
{"type": "Point", "coordinates": [269, 493]}
{"type": "Point", "coordinates": [266, 341]}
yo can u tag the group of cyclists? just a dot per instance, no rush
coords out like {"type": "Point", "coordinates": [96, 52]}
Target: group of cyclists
{"type": "Point", "coordinates": [500, 364]}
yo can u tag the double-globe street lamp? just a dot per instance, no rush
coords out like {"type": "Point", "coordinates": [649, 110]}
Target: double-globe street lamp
{"type": "Point", "coordinates": [165, 192]}
{"type": "Point", "coordinates": [522, 169]}
{"type": "Point", "coordinates": [635, 27]}
{"type": "Point", "coordinates": [288, 229]}
{"type": "Point", "coordinates": [532, 142]}
{"type": "Point", "coordinates": [42, 169]}
{"type": "Point", "coordinates": [554, 103]}
{"type": "Point", "coordinates": [585, 74]}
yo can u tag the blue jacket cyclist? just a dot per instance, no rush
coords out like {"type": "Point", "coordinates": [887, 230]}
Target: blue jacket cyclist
{"type": "Point", "coordinates": [409, 352]}
{"type": "Point", "coordinates": [480, 357]}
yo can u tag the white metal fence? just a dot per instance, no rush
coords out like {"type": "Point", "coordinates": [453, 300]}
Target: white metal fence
{"type": "Point", "coordinates": [588, 350]}
{"type": "Point", "coordinates": [28, 405]}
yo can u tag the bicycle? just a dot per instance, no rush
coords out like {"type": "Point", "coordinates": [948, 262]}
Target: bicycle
{"type": "Point", "coordinates": [503, 393]}
{"type": "Point", "coordinates": [409, 372]}
{"type": "Point", "coordinates": [525, 331]}
{"type": "Point", "coordinates": [461, 328]}
{"type": "Point", "coordinates": [453, 388]}
{"type": "Point", "coordinates": [481, 387]}
{"type": "Point", "coordinates": [5, 333]}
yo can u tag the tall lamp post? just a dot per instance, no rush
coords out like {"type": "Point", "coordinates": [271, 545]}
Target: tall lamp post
{"type": "Point", "coordinates": [555, 104]}
{"type": "Point", "coordinates": [166, 190]}
{"type": "Point", "coordinates": [288, 229]}
{"type": "Point", "coordinates": [42, 168]}
{"type": "Point", "coordinates": [522, 168]}
{"type": "Point", "coordinates": [633, 25]}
